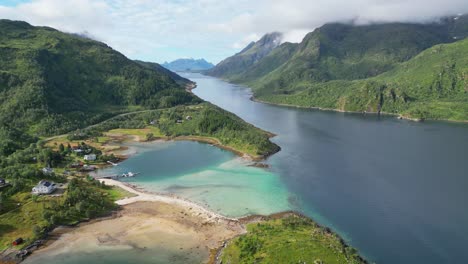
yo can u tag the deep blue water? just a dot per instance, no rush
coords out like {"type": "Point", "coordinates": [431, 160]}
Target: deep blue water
{"type": "Point", "coordinates": [396, 190]}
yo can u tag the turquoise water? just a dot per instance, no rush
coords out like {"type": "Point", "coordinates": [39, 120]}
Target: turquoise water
{"type": "Point", "coordinates": [207, 175]}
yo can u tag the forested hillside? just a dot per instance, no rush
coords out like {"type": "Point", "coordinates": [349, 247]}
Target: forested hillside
{"type": "Point", "coordinates": [322, 70]}
{"type": "Point", "coordinates": [52, 82]}
{"type": "Point", "coordinates": [432, 85]}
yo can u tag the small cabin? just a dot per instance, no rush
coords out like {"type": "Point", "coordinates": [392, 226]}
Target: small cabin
{"type": "Point", "coordinates": [90, 157]}
{"type": "Point", "coordinates": [179, 121]}
{"type": "Point", "coordinates": [188, 118]}
{"type": "Point", "coordinates": [2, 181]}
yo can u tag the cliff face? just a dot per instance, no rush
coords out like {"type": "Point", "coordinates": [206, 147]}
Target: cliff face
{"type": "Point", "coordinates": [250, 55]}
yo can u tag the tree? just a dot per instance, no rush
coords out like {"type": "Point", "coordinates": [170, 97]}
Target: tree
{"type": "Point", "coordinates": [37, 231]}
{"type": "Point", "coordinates": [149, 136]}
{"type": "Point", "coordinates": [61, 148]}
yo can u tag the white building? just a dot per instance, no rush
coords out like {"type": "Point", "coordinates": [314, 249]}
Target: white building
{"type": "Point", "coordinates": [44, 187]}
{"type": "Point", "coordinates": [90, 157]}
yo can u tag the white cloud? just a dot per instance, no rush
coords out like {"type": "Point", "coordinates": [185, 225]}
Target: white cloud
{"type": "Point", "coordinates": [246, 41]}
{"type": "Point", "coordinates": [162, 30]}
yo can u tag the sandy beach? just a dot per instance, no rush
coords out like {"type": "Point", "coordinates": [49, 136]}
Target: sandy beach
{"type": "Point", "coordinates": [148, 222]}
{"type": "Point", "coordinates": [143, 196]}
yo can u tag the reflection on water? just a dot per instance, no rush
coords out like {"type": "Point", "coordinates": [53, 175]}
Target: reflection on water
{"type": "Point", "coordinates": [395, 189]}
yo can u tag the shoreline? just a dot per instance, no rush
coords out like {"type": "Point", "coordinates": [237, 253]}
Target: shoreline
{"type": "Point", "coordinates": [146, 196]}
{"type": "Point", "coordinates": [185, 208]}
{"type": "Point", "coordinates": [120, 139]}
{"type": "Point", "coordinates": [181, 209]}
{"type": "Point", "coordinates": [398, 116]}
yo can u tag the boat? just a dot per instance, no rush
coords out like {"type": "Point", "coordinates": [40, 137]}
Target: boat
{"type": "Point", "coordinates": [129, 174]}
{"type": "Point", "coordinates": [112, 163]}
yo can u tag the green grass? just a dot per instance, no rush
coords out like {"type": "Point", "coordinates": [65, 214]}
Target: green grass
{"type": "Point", "coordinates": [116, 193]}
{"type": "Point", "coordinates": [290, 240]}
{"type": "Point", "coordinates": [139, 132]}
{"type": "Point", "coordinates": [20, 222]}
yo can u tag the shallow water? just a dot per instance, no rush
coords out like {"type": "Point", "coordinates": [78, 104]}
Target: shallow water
{"type": "Point", "coordinates": [207, 175]}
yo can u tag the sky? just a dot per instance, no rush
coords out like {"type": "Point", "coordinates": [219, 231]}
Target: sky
{"type": "Point", "coordinates": [165, 30]}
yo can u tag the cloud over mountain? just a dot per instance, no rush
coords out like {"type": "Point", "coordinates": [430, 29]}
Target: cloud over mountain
{"type": "Point", "coordinates": [165, 30]}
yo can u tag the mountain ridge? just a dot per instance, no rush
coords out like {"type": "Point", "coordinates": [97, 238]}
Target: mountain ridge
{"type": "Point", "coordinates": [336, 55]}
{"type": "Point", "coordinates": [247, 57]}
{"type": "Point", "coordinates": [191, 64]}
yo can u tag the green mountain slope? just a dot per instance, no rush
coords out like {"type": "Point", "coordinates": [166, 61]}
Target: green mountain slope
{"type": "Point", "coordinates": [342, 54]}
{"type": "Point", "coordinates": [51, 82]}
{"type": "Point", "coordinates": [433, 85]}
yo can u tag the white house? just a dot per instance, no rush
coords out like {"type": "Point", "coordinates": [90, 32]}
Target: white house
{"type": "Point", "coordinates": [47, 171]}
{"type": "Point", "coordinates": [90, 157]}
{"type": "Point", "coordinates": [44, 187]}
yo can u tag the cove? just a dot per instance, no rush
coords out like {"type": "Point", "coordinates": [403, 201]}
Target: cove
{"type": "Point", "coordinates": [212, 177]}
{"type": "Point", "coordinates": [394, 189]}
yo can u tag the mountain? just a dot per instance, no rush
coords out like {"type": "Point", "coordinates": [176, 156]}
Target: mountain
{"type": "Point", "coordinates": [181, 65]}
{"type": "Point", "coordinates": [250, 55]}
{"type": "Point", "coordinates": [52, 82]}
{"type": "Point", "coordinates": [326, 69]}
{"type": "Point", "coordinates": [432, 85]}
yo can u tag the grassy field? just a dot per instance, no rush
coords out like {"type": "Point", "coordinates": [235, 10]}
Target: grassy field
{"type": "Point", "coordinates": [19, 221]}
{"type": "Point", "coordinates": [292, 239]}
{"type": "Point", "coordinates": [141, 133]}
{"type": "Point", "coordinates": [116, 193]}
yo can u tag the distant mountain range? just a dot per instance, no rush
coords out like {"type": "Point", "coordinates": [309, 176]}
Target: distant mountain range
{"type": "Point", "coordinates": [192, 65]}
{"type": "Point", "coordinates": [398, 68]}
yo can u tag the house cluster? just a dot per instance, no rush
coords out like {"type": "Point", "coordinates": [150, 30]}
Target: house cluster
{"type": "Point", "coordinates": [44, 187]}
